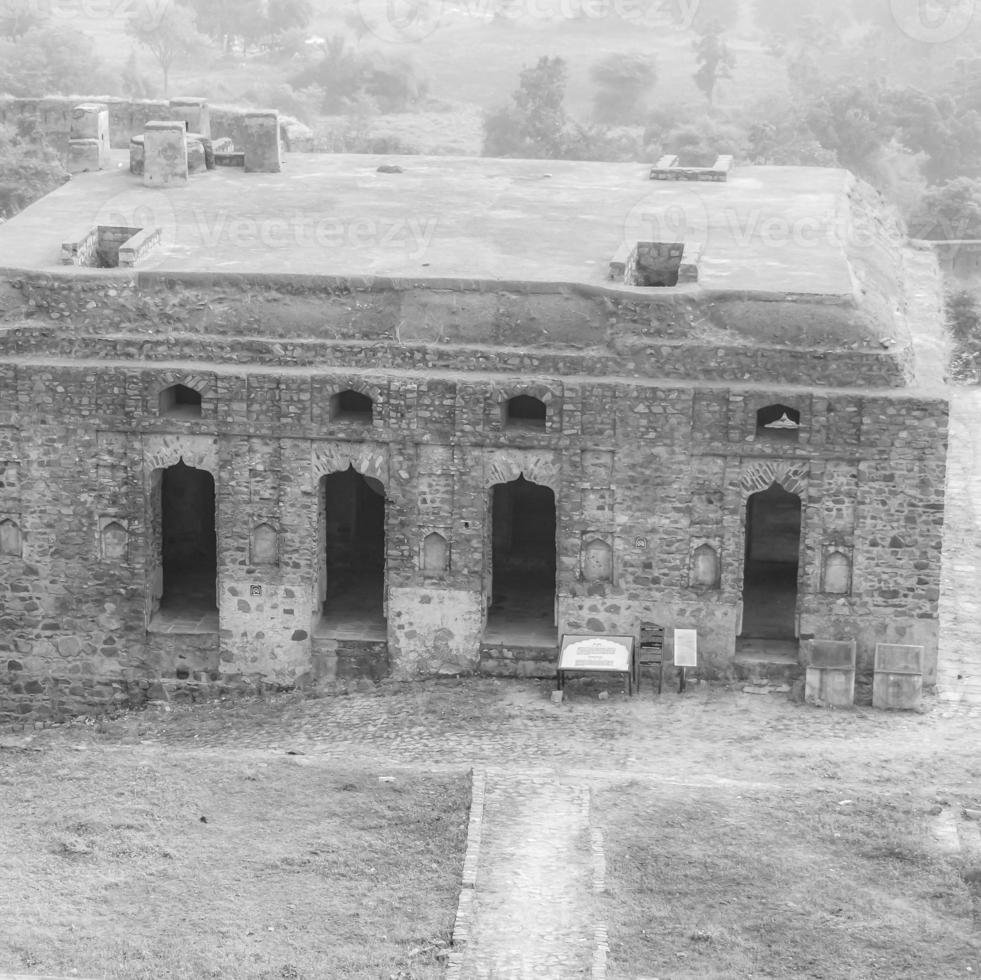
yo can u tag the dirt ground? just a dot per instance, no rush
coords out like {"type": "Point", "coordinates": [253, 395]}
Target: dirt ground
{"type": "Point", "coordinates": [779, 770]}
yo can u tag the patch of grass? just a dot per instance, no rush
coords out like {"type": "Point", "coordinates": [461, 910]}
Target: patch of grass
{"type": "Point", "coordinates": [126, 864]}
{"type": "Point", "coordinates": [705, 883]}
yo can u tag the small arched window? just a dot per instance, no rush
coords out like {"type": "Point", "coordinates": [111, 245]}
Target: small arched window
{"type": "Point", "coordinates": [352, 406]}
{"type": "Point", "coordinates": [778, 423]}
{"type": "Point", "coordinates": [179, 401]}
{"type": "Point", "coordinates": [524, 412]}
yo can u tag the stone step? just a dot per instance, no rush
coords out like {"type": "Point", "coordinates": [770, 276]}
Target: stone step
{"type": "Point", "coordinates": [340, 658]}
{"type": "Point", "coordinates": [777, 671]}
{"type": "Point", "coordinates": [505, 660]}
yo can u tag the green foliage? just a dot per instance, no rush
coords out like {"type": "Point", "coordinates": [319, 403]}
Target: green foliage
{"type": "Point", "coordinates": [951, 211]}
{"type": "Point", "coordinates": [714, 60]}
{"type": "Point", "coordinates": [29, 168]}
{"type": "Point", "coordinates": [168, 31]}
{"type": "Point", "coordinates": [791, 20]}
{"type": "Point", "coordinates": [623, 81]}
{"type": "Point", "coordinates": [135, 84]}
{"type": "Point", "coordinates": [54, 59]}
{"type": "Point", "coordinates": [346, 75]}
{"type": "Point", "coordinates": [697, 138]}
{"type": "Point", "coordinates": [17, 17]}
{"type": "Point", "coordinates": [852, 121]}
{"type": "Point", "coordinates": [534, 125]}
{"type": "Point", "coordinates": [711, 15]}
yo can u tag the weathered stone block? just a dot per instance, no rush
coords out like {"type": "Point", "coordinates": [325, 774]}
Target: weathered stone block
{"type": "Point", "coordinates": [165, 154]}
{"type": "Point", "coordinates": [260, 142]}
{"type": "Point", "coordinates": [84, 156]}
{"type": "Point", "coordinates": [194, 114]}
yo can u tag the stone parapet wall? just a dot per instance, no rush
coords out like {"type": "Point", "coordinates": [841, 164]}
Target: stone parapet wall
{"type": "Point", "coordinates": [128, 118]}
{"type": "Point", "coordinates": [564, 331]}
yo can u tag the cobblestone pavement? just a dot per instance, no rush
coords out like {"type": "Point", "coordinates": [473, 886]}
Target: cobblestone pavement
{"type": "Point", "coordinates": [532, 917]}
{"type": "Point", "coordinates": [709, 734]}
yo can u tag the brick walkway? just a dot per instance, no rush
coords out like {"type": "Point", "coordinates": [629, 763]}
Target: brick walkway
{"type": "Point", "coordinates": [531, 915]}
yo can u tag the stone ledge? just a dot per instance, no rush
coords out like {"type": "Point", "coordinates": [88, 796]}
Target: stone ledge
{"type": "Point", "coordinates": [667, 168]}
{"type": "Point", "coordinates": [468, 885]}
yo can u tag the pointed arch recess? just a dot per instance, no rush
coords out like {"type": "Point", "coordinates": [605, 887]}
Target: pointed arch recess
{"type": "Point", "coordinates": [368, 459]}
{"type": "Point", "coordinates": [764, 473]}
{"type": "Point", "coordinates": [504, 467]}
{"type": "Point", "coordinates": [163, 451]}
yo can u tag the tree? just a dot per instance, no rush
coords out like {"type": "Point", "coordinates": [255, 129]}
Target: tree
{"type": "Point", "coordinates": [347, 76]}
{"type": "Point", "coordinates": [50, 60]}
{"type": "Point", "coordinates": [949, 212]}
{"type": "Point", "coordinates": [706, 14]}
{"type": "Point", "coordinates": [17, 17]}
{"type": "Point", "coordinates": [853, 121]}
{"type": "Point", "coordinates": [29, 168]}
{"type": "Point", "coordinates": [286, 15]}
{"type": "Point", "coordinates": [167, 30]}
{"type": "Point", "coordinates": [219, 19]}
{"type": "Point", "coordinates": [714, 60]}
{"type": "Point", "coordinates": [622, 80]}
{"type": "Point", "coordinates": [534, 124]}
{"type": "Point", "coordinates": [796, 19]}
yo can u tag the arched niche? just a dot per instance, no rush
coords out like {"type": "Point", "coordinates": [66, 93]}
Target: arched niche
{"type": "Point", "coordinates": [113, 539]}
{"type": "Point", "coordinates": [837, 573]}
{"type": "Point", "coordinates": [265, 545]}
{"type": "Point", "coordinates": [435, 554]}
{"type": "Point", "coordinates": [706, 570]}
{"type": "Point", "coordinates": [597, 561]}
{"type": "Point", "coordinates": [11, 540]}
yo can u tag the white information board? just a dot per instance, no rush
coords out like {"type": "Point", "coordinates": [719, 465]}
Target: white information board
{"type": "Point", "coordinates": [613, 653]}
{"type": "Point", "coordinates": [686, 648]}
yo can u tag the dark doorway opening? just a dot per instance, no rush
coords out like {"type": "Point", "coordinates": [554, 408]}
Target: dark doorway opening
{"type": "Point", "coordinates": [188, 551]}
{"type": "Point", "coordinates": [773, 525]}
{"type": "Point", "coordinates": [352, 510]}
{"type": "Point", "coordinates": [522, 606]}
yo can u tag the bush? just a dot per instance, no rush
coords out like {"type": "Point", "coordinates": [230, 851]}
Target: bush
{"type": "Point", "coordinates": [53, 60]}
{"type": "Point", "coordinates": [29, 168]}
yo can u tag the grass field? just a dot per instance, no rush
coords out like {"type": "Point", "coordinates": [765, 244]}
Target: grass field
{"type": "Point", "coordinates": [718, 883]}
{"type": "Point", "coordinates": [123, 864]}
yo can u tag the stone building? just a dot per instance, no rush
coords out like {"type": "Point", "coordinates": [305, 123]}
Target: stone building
{"type": "Point", "coordinates": [335, 421]}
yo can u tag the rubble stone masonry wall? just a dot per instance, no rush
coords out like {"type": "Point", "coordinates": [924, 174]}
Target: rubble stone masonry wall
{"type": "Point", "coordinates": [650, 446]}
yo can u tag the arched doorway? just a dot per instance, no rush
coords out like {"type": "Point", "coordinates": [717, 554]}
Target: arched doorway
{"type": "Point", "coordinates": [522, 592]}
{"type": "Point", "coordinates": [352, 549]}
{"type": "Point", "coordinates": [185, 549]}
{"type": "Point", "coordinates": [772, 560]}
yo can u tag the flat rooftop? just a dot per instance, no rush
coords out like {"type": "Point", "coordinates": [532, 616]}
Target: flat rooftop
{"type": "Point", "coordinates": [767, 229]}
